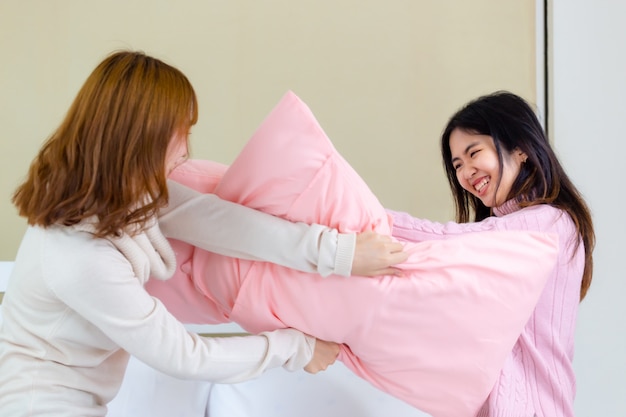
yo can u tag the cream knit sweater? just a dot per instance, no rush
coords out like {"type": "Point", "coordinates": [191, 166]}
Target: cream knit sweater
{"type": "Point", "coordinates": [75, 308]}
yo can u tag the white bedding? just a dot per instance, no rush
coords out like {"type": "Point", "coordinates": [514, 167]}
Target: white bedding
{"type": "Point", "coordinates": [337, 392]}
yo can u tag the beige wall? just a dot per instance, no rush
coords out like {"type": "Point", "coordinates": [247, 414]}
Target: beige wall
{"type": "Point", "coordinates": [381, 76]}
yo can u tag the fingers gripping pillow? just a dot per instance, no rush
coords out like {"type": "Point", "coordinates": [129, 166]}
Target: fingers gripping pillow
{"type": "Point", "coordinates": [435, 338]}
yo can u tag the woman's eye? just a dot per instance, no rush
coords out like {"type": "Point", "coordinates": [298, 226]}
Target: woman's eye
{"type": "Point", "coordinates": [473, 153]}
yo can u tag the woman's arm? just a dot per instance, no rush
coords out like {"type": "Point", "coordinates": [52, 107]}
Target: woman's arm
{"type": "Point", "coordinates": [540, 218]}
{"type": "Point", "coordinates": [115, 302]}
{"type": "Point", "coordinates": [414, 229]}
{"type": "Point", "coordinates": [230, 229]}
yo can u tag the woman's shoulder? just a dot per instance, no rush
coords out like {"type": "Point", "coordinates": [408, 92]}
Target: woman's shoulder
{"type": "Point", "coordinates": [72, 251]}
{"type": "Point", "coordinates": [62, 262]}
{"type": "Point", "coordinates": [541, 210]}
{"type": "Point", "coordinates": [77, 240]}
{"type": "Point", "coordinates": [543, 217]}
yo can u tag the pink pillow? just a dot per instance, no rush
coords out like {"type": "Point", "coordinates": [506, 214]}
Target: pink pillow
{"type": "Point", "coordinates": [180, 294]}
{"type": "Point", "coordinates": [289, 168]}
{"type": "Point", "coordinates": [436, 338]}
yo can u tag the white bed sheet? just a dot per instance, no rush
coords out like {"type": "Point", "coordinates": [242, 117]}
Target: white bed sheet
{"type": "Point", "coordinates": [336, 392]}
{"type": "Point", "coordinates": [146, 392]}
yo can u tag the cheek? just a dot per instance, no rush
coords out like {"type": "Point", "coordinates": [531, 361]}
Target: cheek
{"type": "Point", "coordinates": [489, 163]}
{"type": "Point", "coordinates": [177, 153]}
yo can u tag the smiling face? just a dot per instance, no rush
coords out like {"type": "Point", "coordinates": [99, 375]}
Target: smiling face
{"type": "Point", "coordinates": [477, 165]}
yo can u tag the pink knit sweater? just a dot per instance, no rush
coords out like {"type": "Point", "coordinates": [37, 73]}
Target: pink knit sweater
{"type": "Point", "coordinates": [538, 377]}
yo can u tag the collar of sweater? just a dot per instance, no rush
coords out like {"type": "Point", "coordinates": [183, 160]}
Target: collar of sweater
{"type": "Point", "coordinates": [507, 207]}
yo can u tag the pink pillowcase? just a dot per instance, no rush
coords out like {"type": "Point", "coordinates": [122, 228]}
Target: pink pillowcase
{"type": "Point", "coordinates": [180, 294]}
{"type": "Point", "coordinates": [436, 338]}
{"type": "Point", "coordinates": [289, 168]}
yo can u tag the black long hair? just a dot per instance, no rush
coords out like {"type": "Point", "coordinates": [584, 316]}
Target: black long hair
{"type": "Point", "coordinates": [513, 124]}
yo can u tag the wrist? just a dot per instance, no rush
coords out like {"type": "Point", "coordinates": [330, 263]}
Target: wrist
{"type": "Point", "coordinates": [346, 245]}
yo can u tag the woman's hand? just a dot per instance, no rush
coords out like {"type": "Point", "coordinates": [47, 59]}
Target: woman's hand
{"type": "Point", "coordinates": [375, 254]}
{"type": "Point", "coordinates": [324, 354]}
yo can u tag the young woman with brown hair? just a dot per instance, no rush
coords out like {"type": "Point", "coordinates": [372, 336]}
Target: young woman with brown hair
{"type": "Point", "coordinates": [76, 307]}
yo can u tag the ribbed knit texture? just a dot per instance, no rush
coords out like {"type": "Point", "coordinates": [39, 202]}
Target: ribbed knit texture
{"type": "Point", "coordinates": [537, 378]}
{"type": "Point", "coordinates": [345, 253]}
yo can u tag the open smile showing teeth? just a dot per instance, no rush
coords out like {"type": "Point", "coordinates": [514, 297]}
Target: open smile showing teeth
{"type": "Point", "coordinates": [480, 185]}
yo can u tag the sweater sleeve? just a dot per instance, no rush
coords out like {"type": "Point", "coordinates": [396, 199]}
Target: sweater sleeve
{"type": "Point", "coordinates": [116, 305]}
{"type": "Point", "coordinates": [414, 229]}
{"type": "Point", "coordinates": [541, 218]}
{"type": "Point", "coordinates": [230, 229]}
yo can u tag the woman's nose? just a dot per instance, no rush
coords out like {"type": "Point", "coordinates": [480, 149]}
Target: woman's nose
{"type": "Point", "coordinates": [468, 171]}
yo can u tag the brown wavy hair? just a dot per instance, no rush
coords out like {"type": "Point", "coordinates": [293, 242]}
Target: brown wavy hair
{"type": "Point", "coordinates": [107, 158]}
{"type": "Point", "coordinates": [513, 124]}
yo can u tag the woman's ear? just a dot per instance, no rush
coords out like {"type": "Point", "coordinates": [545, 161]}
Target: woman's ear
{"type": "Point", "coordinates": [520, 155]}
